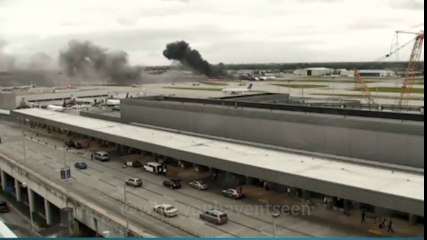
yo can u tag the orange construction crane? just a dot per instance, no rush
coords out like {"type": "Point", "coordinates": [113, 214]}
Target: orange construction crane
{"type": "Point", "coordinates": [363, 86]}
{"type": "Point", "coordinates": [412, 67]}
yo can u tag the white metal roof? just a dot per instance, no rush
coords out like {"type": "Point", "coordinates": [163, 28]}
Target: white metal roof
{"type": "Point", "coordinates": [318, 68]}
{"type": "Point", "coordinates": [398, 183]}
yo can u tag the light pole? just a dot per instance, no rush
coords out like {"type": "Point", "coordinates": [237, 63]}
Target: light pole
{"type": "Point", "coordinates": [275, 215]}
{"type": "Point", "coordinates": [24, 148]}
{"type": "Point", "coordinates": [65, 156]}
{"type": "Point", "coordinates": [25, 161]}
{"type": "Point", "coordinates": [126, 209]}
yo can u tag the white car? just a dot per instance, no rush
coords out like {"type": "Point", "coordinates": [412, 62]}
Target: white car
{"type": "Point", "coordinates": [102, 156]}
{"type": "Point", "coordinates": [135, 182]}
{"type": "Point", "coordinates": [166, 210]}
{"type": "Point", "coordinates": [199, 185]}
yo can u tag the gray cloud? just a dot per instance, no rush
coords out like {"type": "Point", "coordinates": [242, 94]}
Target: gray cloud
{"type": "Point", "coordinates": [183, 1]}
{"type": "Point", "coordinates": [417, 5]}
{"type": "Point", "coordinates": [374, 23]}
{"type": "Point", "coordinates": [317, 1]}
{"type": "Point", "coordinates": [223, 30]}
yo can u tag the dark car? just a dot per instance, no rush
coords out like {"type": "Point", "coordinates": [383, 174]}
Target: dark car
{"type": "Point", "coordinates": [134, 164]}
{"type": "Point", "coordinates": [4, 208]}
{"type": "Point", "coordinates": [80, 165]}
{"type": "Point", "coordinates": [172, 183]}
{"type": "Point", "coordinates": [233, 193]}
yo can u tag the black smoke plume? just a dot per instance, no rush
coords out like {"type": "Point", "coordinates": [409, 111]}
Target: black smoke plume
{"type": "Point", "coordinates": [182, 52]}
{"type": "Point", "coordinates": [85, 60]}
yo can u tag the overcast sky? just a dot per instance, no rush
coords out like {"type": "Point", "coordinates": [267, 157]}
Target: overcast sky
{"type": "Point", "coordinates": [229, 31]}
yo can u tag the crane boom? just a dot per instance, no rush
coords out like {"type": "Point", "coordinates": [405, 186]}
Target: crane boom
{"type": "Point", "coordinates": [363, 86]}
{"type": "Point", "coordinates": [412, 67]}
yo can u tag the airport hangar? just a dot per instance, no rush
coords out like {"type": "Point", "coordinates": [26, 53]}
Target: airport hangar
{"type": "Point", "coordinates": [386, 185]}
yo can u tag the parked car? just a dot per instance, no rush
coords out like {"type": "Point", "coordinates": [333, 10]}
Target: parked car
{"type": "Point", "coordinates": [102, 156]}
{"type": "Point", "coordinates": [172, 183]}
{"type": "Point", "coordinates": [80, 165]}
{"type": "Point", "coordinates": [134, 182]}
{"type": "Point", "coordinates": [199, 185]}
{"type": "Point", "coordinates": [166, 210]}
{"type": "Point", "coordinates": [4, 208]}
{"type": "Point", "coordinates": [214, 216]}
{"type": "Point", "coordinates": [134, 164]}
{"type": "Point", "coordinates": [77, 144]}
{"type": "Point", "coordinates": [233, 193]}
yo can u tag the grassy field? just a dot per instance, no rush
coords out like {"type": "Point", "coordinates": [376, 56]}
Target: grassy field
{"type": "Point", "coordinates": [320, 81]}
{"type": "Point", "coordinates": [362, 96]}
{"type": "Point", "coordinates": [392, 90]}
{"type": "Point", "coordinates": [299, 85]}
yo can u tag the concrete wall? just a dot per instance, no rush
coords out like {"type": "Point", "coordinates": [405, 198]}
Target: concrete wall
{"type": "Point", "coordinates": [85, 211]}
{"type": "Point", "coordinates": [386, 141]}
{"type": "Point", "coordinates": [61, 95]}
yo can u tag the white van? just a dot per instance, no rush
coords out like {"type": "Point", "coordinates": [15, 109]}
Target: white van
{"type": "Point", "coordinates": [155, 167]}
{"type": "Point", "coordinates": [102, 156]}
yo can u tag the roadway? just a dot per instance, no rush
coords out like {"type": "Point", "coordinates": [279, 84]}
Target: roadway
{"type": "Point", "coordinates": [103, 184]}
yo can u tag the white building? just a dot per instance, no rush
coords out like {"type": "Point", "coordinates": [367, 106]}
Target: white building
{"type": "Point", "coordinates": [320, 71]}
{"type": "Point", "coordinates": [368, 73]}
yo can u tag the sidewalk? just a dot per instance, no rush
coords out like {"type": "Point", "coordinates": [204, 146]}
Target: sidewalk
{"type": "Point", "coordinates": [336, 219]}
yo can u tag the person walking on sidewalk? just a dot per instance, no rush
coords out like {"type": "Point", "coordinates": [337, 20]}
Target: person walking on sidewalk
{"type": "Point", "coordinates": [91, 156]}
{"type": "Point", "coordinates": [382, 223]}
{"type": "Point", "coordinates": [390, 226]}
{"type": "Point", "coordinates": [363, 217]}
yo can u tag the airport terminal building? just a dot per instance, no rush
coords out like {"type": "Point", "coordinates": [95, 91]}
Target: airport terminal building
{"type": "Point", "coordinates": [365, 158]}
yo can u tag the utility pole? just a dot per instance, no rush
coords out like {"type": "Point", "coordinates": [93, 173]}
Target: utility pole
{"type": "Point", "coordinates": [33, 229]}
{"type": "Point", "coordinates": [24, 148]}
{"type": "Point", "coordinates": [275, 215]}
{"type": "Point", "coordinates": [65, 156]}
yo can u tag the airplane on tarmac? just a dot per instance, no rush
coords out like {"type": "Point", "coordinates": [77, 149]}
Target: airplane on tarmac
{"type": "Point", "coordinates": [56, 108]}
{"type": "Point", "coordinates": [237, 90]}
{"type": "Point", "coordinates": [16, 88]}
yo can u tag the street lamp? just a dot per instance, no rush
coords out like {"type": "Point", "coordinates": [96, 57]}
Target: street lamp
{"type": "Point", "coordinates": [33, 229]}
{"type": "Point", "coordinates": [24, 148]}
{"type": "Point", "coordinates": [275, 215]}
{"type": "Point", "coordinates": [65, 156]}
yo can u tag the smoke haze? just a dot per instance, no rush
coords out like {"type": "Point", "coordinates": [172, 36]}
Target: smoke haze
{"type": "Point", "coordinates": [85, 60]}
{"type": "Point", "coordinates": [7, 62]}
